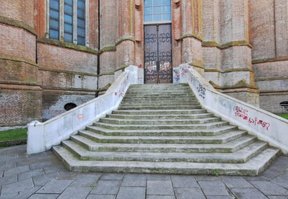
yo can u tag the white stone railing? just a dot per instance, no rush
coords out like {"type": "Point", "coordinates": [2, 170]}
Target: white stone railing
{"type": "Point", "coordinates": [42, 136]}
{"type": "Point", "coordinates": [265, 125]}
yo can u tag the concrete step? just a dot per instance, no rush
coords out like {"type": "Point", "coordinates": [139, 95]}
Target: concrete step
{"type": "Point", "coordinates": [161, 127]}
{"type": "Point", "coordinates": [159, 96]}
{"type": "Point", "coordinates": [161, 112]}
{"type": "Point", "coordinates": [159, 107]}
{"type": "Point", "coordinates": [159, 122]}
{"type": "Point", "coordinates": [159, 103]}
{"type": "Point", "coordinates": [240, 156]}
{"type": "Point", "coordinates": [161, 117]}
{"type": "Point", "coordinates": [218, 139]}
{"type": "Point", "coordinates": [252, 167]}
{"type": "Point", "coordinates": [177, 132]}
{"type": "Point", "coordinates": [165, 148]}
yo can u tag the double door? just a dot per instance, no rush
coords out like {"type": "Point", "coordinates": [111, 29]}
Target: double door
{"type": "Point", "coordinates": [158, 54]}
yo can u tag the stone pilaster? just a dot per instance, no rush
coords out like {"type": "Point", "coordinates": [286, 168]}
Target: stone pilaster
{"type": "Point", "coordinates": [20, 93]}
{"type": "Point", "coordinates": [211, 40]}
{"type": "Point", "coordinates": [192, 33]}
{"type": "Point", "coordinates": [237, 73]}
{"type": "Point", "coordinates": [125, 44]}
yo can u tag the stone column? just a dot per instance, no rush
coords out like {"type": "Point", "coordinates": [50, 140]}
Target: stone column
{"type": "Point", "coordinates": [237, 73]}
{"type": "Point", "coordinates": [269, 38]}
{"type": "Point", "coordinates": [20, 93]}
{"type": "Point", "coordinates": [108, 36]}
{"type": "Point", "coordinates": [192, 33]}
{"type": "Point", "coordinates": [211, 41]}
{"type": "Point", "coordinates": [125, 38]}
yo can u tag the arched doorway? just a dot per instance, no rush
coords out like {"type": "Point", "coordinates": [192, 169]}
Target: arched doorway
{"type": "Point", "coordinates": [158, 41]}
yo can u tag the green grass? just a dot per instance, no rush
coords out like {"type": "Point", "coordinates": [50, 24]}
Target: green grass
{"type": "Point", "coordinates": [285, 115]}
{"type": "Point", "coordinates": [13, 135]}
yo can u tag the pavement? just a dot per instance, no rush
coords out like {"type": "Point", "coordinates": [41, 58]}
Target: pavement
{"type": "Point", "coordinates": [43, 176]}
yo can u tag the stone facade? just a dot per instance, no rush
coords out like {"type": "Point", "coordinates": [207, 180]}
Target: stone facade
{"type": "Point", "coordinates": [240, 46]}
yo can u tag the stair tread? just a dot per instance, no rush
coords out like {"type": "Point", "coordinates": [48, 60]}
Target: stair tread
{"type": "Point", "coordinates": [231, 144]}
{"type": "Point", "coordinates": [216, 137]}
{"type": "Point", "coordinates": [251, 167]}
{"type": "Point", "coordinates": [216, 129]}
{"type": "Point", "coordinates": [243, 153]}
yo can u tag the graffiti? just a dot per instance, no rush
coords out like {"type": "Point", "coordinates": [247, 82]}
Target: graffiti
{"type": "Point", "coordinates": [244, 115]}
{"type": "Point", "coordinates": [201, 91]}
{"type": "Point", "coordinates": [176, 75]}
{"type": "Point", "coordinates": [80, 117]}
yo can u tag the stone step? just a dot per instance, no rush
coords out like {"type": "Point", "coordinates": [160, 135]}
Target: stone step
{"type": "Point", "coordinates": [218, 139]}
{"type": "Point", "coordinates": [240, 156]}
{"type": "Point", "coordinates": [159, 107]}
{"type": "Point", "coordinates": [160, 117]}
{"type": "Point", "coordinates": [165, 148]}
{"type": "Point", "coordinates": [161, 112]}
{"type": "Point", "coordinates": [161, 127]}
{"type": "Point", "coordinates": [159, 103]}
{"type": "Point", "coordinates": [159, 96]}
{"type": "Point", "coordinates": [163, 101]}
{"type": "Point", "coordinates": [158, 86]}
{"type": "Point", "coordinates": [159, 122]}
{"type": "Point", "coordinates": [252, 167]}
{"type": "Point", "coordinates": [177, 132]}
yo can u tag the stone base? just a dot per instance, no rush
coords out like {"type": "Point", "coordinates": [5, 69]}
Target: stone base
{"type": "Point", "coordinates": [271, 102]}
{"type": "Point", "coordinates": [54, 101]}
{"type": "Point", "coordinates": [19, 105]}
{"type": "Point", "coordinates": [249, 96]}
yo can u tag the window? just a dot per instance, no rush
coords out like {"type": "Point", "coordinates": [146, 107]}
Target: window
{"type": "Point", "coordinates": [157, 11]}
{"type": "Point", "coordinates": [67, 20]}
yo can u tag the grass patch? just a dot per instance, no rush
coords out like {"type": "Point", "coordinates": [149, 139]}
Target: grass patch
{"type": "Point", "coordinates": [285, 115]}
{"type": "Point", "coordinates": [13, 137]}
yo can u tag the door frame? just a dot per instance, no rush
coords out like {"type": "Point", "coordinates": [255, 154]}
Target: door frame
{"type": "Point", "coordinates": [157, 24]}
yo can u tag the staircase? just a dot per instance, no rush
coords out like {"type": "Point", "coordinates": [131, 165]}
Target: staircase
{"type": "Point", "coordinates": [163, 129]}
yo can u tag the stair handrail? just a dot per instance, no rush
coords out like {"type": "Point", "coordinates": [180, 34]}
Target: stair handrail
{"type": "Point", "coordinates": [263, 124]}
{"type": "Point", "coordinates": [42, 136]}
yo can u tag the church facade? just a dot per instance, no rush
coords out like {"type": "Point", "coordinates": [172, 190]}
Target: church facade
{"type": "Point", "coordinates": [57, 54]}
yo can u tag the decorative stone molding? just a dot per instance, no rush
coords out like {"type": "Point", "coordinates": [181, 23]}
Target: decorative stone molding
{"type": "Point", "coordinates": [17, 24]}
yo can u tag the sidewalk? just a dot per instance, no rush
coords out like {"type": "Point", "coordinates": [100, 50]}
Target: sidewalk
{"type": "Point", "coordinates": [43, 176]}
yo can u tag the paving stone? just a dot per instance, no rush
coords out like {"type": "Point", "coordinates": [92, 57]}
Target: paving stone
{"type": "Point", "coordinates": [106, 187]}
{"type": "Point", "coordinates": [112, 176]}
{"type": "Point", "coordinates": [16, 170]}
{"type": "Point", "coordinates": [30, 174]}
{"type": "Point", "coordinates": [220, 197]}
{"type": "Point", "coordinates": [41, 164]}
{"type": "Point", "coordinates": [55, 186]}
{"type": "Point", "coordinates": [101, 197]}
{"type": "Point", "coordinates": [277, 197]}
{"type": "Point", "coordinates": [269, 188]}
{"type": "Point", "coordinates": [160, 197]}
{"type": "Point", "coordinates": [189, 193]}
{"type": "Point", "coordinates": [43, 179]}
{"type": "Point", "coordinates": [282, 180]}
{"type": "Point", "coordinates": [44, 196]}
{"type": "Point", "coordinates": [131, 193]}
{"type": "Point", "coordinates": [236, 182]}
{"type": "Point", "coordinates": [134, 180]}
{"type": "Point", "coordinates": [85, 181]}
{"type": "Point", "coordinates": [155, 177]}
{"type": "Point", "coordinates": [75, 192]}
{"type": "Point", "coordinates": [213, 188]}
{"type": "Point", "coordinates": [159, 188]}
{"type": "Point", "coordinates": [8, 179]}
{"type": "Point", "coordinates": [15, 189]}
{"type": "Point", "coordinates": [27, 193]}
{"type": "Point", "coordinates": [248, 193]}
{"type": "Point", "coordinates": [184, 181]}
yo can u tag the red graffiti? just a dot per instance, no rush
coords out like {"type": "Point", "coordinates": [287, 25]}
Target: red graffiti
{"type": "Point", "coordinates": [244, 115]}
{"type": "Point", "coordinates": [80, 117]}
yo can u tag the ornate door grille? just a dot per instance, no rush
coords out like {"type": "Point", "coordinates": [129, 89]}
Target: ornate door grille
{"type": "Point", "coordinates": [158, 54]}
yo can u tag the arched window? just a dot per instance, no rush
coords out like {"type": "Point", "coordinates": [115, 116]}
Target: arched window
{"type": "Point", "coordinates": [67, 20]}
{"type": "Point", "coordinates": [157, 11]}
